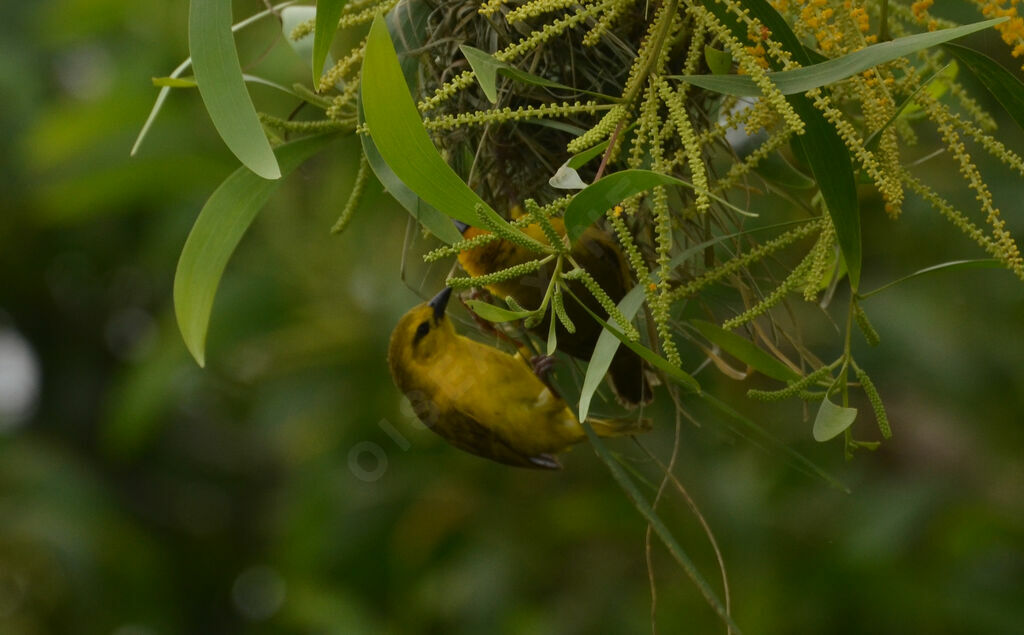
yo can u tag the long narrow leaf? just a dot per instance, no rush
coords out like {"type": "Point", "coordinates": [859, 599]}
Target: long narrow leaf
{"type": "Point", "coordinates": [678, 375]}
{"type": "Point", "coordinates": [821, 145]}
{"type": "Point", "coordinates": [223, 220]}
{"type": "Point", "coordinates": [219, 75]}
{"type": "Point", "coordinates": [328, 12]}
{"type": "Point", "coordinates": [981, 263]}
{"type": "Point", "coordinates": [904, 108]}
{"type": "Point", "coordinates": [746, 351]}
{"type": "Point", "coordinates": [605, 349]}
{"type": "Point", "coordinates": [487, 68]}
{"type": "Point", "coordinates": [659, 527]}
{"type": "Point", "coordinates": [1007, 89]}
{"type": "Point", "coordinates": [591, 203]}
{"type": "Point", "coordinates": [493, 313]}
{"type": "Point", "coordinates": [403, 142]}
{"type": "Point", "coordinates": [436, 223]}
{"type": "Point", "coordinates": [181, 68]}
{"type": "Point", "coordinates": [801, 80]}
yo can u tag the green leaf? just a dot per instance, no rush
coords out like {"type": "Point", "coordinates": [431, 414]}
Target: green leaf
{"type": "Point", "coordinates": [832, 420]}
{"type": "Point", "coordinates": [659, 527]}
{"type": "Point", "coordinates": [720, 62]}
{"type": "Point", "coordinates": [437, 223]}
{"type": "Point", "coordinates": [776, 169]}
{"type": "Point", "coordinates": [190, 82]}
{"type": "Point", "coordinates": [223, 220]}
{"type": "Point", "coordinates": [981, 263]}
{"type": "Point", "coordinates": [591, 203]}
{"type": "Point", "coordinates": [799, 461]}
{"type": "Point", "coordinates": [833, 171]}
{"type": "Point", "coordinates": [403, 142]}
{"type": "Point", "coordinates": [678, 375]}
{"type": "Point", "coordinates": [165, 91]}
{"type": "Point", "coordinates": [910, 109]}
{"type": "Point", "coordinates": [820, 144]}
{"type": "Point", "coordinates": [405, 24]}
{"type": "Point", "coordinates": [1007, 89]}
{"type": "Point", "coordinates": [493, 313]}
{"type": "Point", "coordinates": [328, 12]}
{"type": "Point", "coordinates": [801, 80]}
{"type": "Point", "coordinates": [746, 351]}
{"type": "Point", "coordinates": [487, 68]}
{"type": "Point", "coordinates": [219, 75]}
{"type": "Point", "coordinates": [580, 159]}
{"type": "Point", "coordinates": [552, 334]}
{"type": "Point", "coordinates": [175, 82]}
{"type": "Point", "coordinates": [935, 90]}
{"type": "Point", "coordinates": [605, 349]}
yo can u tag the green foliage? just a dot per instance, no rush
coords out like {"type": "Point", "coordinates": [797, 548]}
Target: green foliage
{"type": "Point", "coordinates": [673, 192]}
{"type": "Point", "coordinates": [219, 77]}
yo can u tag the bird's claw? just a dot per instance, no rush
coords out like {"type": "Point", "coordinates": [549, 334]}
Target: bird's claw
{"type": "Point", "coordinates": [542, 365]}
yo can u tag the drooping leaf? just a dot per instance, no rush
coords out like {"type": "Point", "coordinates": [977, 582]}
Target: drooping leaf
{"type": "Point", "coordinates": [493, 313]}
{"type": "Point", "coordinates": [487, 68]}
{"type": "Point", "coordinates": [832, 420]}
{"type": "Point", "coordinates": [597, 198]}
{"type": "Point", "coordinates": [328, 12]}
{"type": "Point", "coordinates": [219, 75]}
{"type": "Point", "coordinates": [981, 263]}
{"type": "Point", "coordinates": [935, 86]}
{"type": "Point", "coordinates": [223, 220]}
{"type": "Point", "coordinates": [552, 335]}
{"type": "Point", "coordinates": [659, 527]}
{"type": "Point", "coordinates": [181, 68]}
{"type": "Point", "coordinates": [437, 223]}
{"type": "Point", "coordinates": [190, 82]}
{"type": "Point", "coordinates": [719, 61]}
{"type": "Point", "coordinates": [833, 171]}
{"type": "Point", "coordinates": [580, 159]}
{"type": "Point", "coordinates": [605, 349]}
{"type": "Point", "coordinates": [801, 80]}
{"type": "Point", "coordinates": [403, 142]}
{"type": "Point", "coordinates": [935, 90]}
{"type": "Point", "coordinates": [820, 144]}
{"type": "Point", "coordinates": [175, 82]}
{"type": "Point", "coordinates": [1004, 86]}
{"type": "Point", "coordinates": [746, 351]}
{"type": "Point", "coordinates": [678, 375]}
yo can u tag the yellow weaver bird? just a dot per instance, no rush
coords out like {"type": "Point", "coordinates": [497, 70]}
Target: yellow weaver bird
{"type": "Point", "coordinates": [481, 399]}
{"type": "Point", "coordinates": [600, 256]}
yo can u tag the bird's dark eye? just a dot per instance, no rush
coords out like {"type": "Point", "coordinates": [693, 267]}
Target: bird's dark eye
{"type": "Point", "coordinates": [421, 330]}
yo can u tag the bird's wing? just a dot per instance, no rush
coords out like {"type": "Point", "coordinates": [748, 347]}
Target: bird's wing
{"type": "Point", "coordinates": [465, 432]}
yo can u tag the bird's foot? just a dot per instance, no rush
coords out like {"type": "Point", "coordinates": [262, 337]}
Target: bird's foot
{"type": "Point", "coordinates": [542, 365]}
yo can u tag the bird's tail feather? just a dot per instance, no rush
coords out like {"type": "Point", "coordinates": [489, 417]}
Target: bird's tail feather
{"type": "Point", "coordinates": [619, 427]}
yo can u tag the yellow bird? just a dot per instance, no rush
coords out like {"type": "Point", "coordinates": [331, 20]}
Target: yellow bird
{"type": "Point", "coordinates": [481, 399]}
{"type": "Point", "coordinates": [596, 252]}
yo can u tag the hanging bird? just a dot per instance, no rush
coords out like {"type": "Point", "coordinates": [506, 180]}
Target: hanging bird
{"type": "Point", "coordinates": [596, 252]}
{"type": "Point", "coordinates": [481, 399]}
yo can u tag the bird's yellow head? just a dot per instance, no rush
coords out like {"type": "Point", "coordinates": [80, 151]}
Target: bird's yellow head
{"type": "Point", "coordinates": [420, 335]}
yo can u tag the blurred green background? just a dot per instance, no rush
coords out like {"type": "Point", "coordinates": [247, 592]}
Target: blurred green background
{"type": "Point", "coordinates": [286, 489]}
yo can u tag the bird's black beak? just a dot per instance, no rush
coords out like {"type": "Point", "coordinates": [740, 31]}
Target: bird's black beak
{"type": "Point", "coordinates": [440, 302]}
{"type": "Point", "coordinates": [459, 225]}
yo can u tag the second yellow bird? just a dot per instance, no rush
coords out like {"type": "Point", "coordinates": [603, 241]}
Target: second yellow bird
{"type": "Point", "coordinates": [481, 399]}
